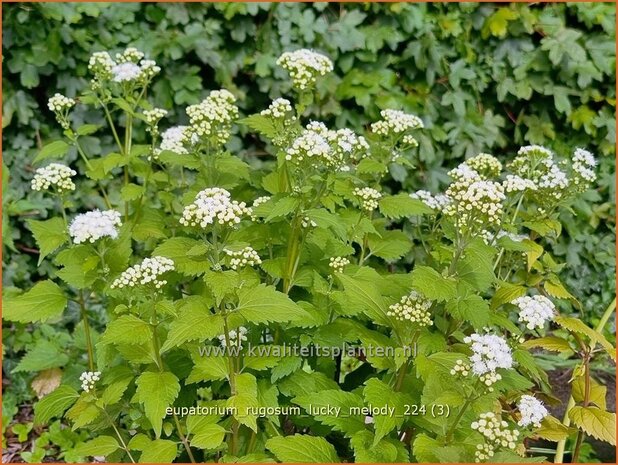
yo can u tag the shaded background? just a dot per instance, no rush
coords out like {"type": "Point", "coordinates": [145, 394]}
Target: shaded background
{"type": "Point", "coordinates": [483, 77]}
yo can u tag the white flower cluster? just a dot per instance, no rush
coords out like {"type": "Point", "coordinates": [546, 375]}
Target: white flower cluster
{"type": "Point", "coordinates": [496, 431]}
{"type": "Point", "coordinates": [305, 66]}
{"type": "Point", "coordinates": [59, 102]}
{"type": "Point", "coordinates": [532, 411]}
{"type": "Point", "coordinates": [412, 307]}
{"type": "Point", "coordinates": [256, 203]}
{"type": "Point", "coordinates": [483, 452]}
{"type": "Point", "coordinates": [94, 225]}
{"type": "Point", "coordinates": [279, 109]}
{"type": "Point", "coordinates": [236, 337]}
{"type": "Point", "coordinates": [61, 105]}
{"type": "Point", "coordinates": [536, 164]}
{"type": "Point", "coordinates": [461, 368]}
{"type": "Point", "coordinates": [463, 172]}
{"type": "Point", "coordinates": [490, 352]}
{"type": "Point", "coordinates": [514, 183]}
{"type": "Point", "coordinates": [369, 197]}
{"type": "Point", "coordinates": [147, 272]}
{"type": "Point", "coordinates": [245, 257]}
{"type": "Point", "coordinates": [126, 68]}
{"type": "Point", "coordinates": [89, 379]}
{"type": "Point", "coordinates": [395, 122]}
{"type": "Point", "coordinates": [54, 175]}
{"type": "Point", "coordinates": [338, 264]}
{"type": "Point", "coordinates": [554, 180]}
{"type": "Point", "coordinates": [212, 118]}
{"type": "Point", "coordinates": [583, 163]}
{"type": "Point", "coordinates": [153, 117]}
{"type": "Point", "coordinates": [176, 139]}
{"type": "Point", "coordinates": [410, 140]}
{"type": "Point", "coordinates": [535, 310]}
{"type": "Point", "coordinates": [484, 164]}
{"type": "Point", "coordinates": [333, 148]}
{"type": "Point", "coordinates": [436, 202]}
{"type": "Point", "coordinates": [490, 378]}
{"type": "Point", "coordinates": [213, 205]}
{"type": "Point", "coordinates": [475, 201]}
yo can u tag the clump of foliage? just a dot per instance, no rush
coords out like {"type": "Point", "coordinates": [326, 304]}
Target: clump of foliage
{"type": "Point", "coordinates": [208, 270]}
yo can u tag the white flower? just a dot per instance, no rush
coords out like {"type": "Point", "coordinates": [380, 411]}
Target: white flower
{"type": "Point", "coordinates": [535, 311]}
{"type": "Point", "coordinates": [280, 108]}
{"type": "Point", "coordinates": [153, 116]}
{"type": "Point", "coordinates": [463, 172]}
{"type": "Point", "coordinates": [213, 205]}
{"type": "Point", "coordinates": [257, 202]}
{"type": "Point", "coordinates": [490, 352]}
{"type": "Point", "coordinates": [310, 145]}
{"type": "Point", "coordinates": [89, 379]}
{"type": "Point", "coordinates": [126, 72]}
{"type": "Point", "coordinates": [94, 225]}
{"type": "Point", "coordinates": [496, 430]}
{"type": "Point", "coordinates": [245, 257]}
{"type": "Point", "coordinates": [101, 64]}
{"type": "Point", "coordinates": [236, 337]}
{"type": "Point", "coordinates": [437, 202]}
{"type": "Point", "coordinates": [212, 118]}
{"type": "Point", "coordinates": [54, 175]}
{"type": "Point", "coordinates": [583, 163]}
{"type": "Point", "coordinates": [396, 122]}
{"type": "Point", "coordinates": [410, 140]}
{"type": "Point", "coordinates": [485, 164]}
{"type": "Point", "coordinates": [532, 411]}
{"type": "Point", "coordinates": [176, 139]}
{"type": "Point", "coordinates": [475, 201]}
{"type": "Point", "coordinates": [305, 66]}
{"type": "Point", "coordinates": [461, 368]}
{"type": "Point", "coordinates": [535, 150]}
{"type": "Point", "coordinates": [369, 197]}
{"type": "Point", "coordinates": [514, 183]}
{"type": "Point", "coordinates": [338, 264]}
{"type": "Point", "coordinates": [59, 103]}
{"type": "Point", "coordinates": [149, 68]}
{"type": "Point", "coordinates": [483, 452]}
{"type": "Point", "coordinates": [147, 272]}
{"type": "Point", "coordinates": [413, 308]}
{"type": "Point", "coordinates": [554, 179]}
{"type": "Point", "coordinates": [130, 55]}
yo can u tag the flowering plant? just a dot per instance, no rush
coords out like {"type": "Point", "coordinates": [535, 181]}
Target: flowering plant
{"type": "Point", "coordinates": [190, 248]}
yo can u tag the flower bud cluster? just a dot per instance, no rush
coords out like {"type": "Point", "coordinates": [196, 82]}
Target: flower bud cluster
{"type": "Point", "coordinates": [514, 183]}
{"type": "Point", "coordinates": [532, 411]}
{"type": "Point", "coordinates": [535, 310]}
{"type": "Point", "coordinates": [583, 164]}
{"type": "Point", "coordinates": [308, 222]}
{"type": "Point", "coordinates": [235, 337]}
{"type": "Point", "coordinates": [488, 379]}
{"type": "Point", "coordinates": [305, 66]}
{"type": "Point", "coordinates": [461, 368]}
{"type": "Point", "coordinates": [128, 67]}
{"type": "Point", "coordinates": [213, 205]}
{"type": "Point", "coordinates": [413, 308]}
{"type": "Point", "coordinates": [489, 352]}
{"type": "Point", "coordinates": [152, 118]}
{"type": "Point", "coordinates": [410, 141]}
{"type": "Point", "coordinates": [212, 118]}
{"type": "Point", "coordinates": [241, 258]}
{"type": "Point", "coordinates": [61, 106]}
{"type": "Point", "coordinates": [496, 430]}
{"type": "Point", "coordinates": [279, 109]}
{"type": "Point", "coordinates": [369, 197]}
{"type": "Point", "coordinates": [396, 122]}
{"type": "Point", "coordinates": [436, 202]}
{"type": "Point", "coordinates": [54, 175]}
{"type": "Point", "coordinates": [337, 264]}
{"type": "Point", "coordinates": [487, 166]}
{"type": "Point", "coordinates": [94, 225]}
{"type": "Point", "coordinates": [89, 379]}
{"type": "Point", "coordinates": [147, 272]}
{"type": "Point", "coordinates": [256, 203]}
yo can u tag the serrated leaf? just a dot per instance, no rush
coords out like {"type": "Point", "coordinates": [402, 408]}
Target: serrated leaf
{"type": "Point", "coordinates": [176, 249]}
{"type": "Point", "coordinates": [159, 451]}
{"type": "Point", "coordinates": [131, 192]}
{"type": "Point", "coordinates": [128, 329]}
{"type": "Point", "coordinates": [595, 422]}
{"type": "Point", "coordinates": [44, 355]}
{"type": "Point", "coordinates": [261, 124]}
{"type": "Point", "coordinates": [379, 394]}
{"type": "Point", "coordinates": [476, 265]}
{"type": "Point", "coordinates": [101, 445]}
{"type": "Point", "coordinates": [472, 308]}
{"type": "Point", "coordinates": [552, 430]}
{"type": "Point", "coordinates": [45, 300]}
{"type": "Point", "coordinates": [87, 129]}
{"type": "Point", "coordinates": [365, 295]}
{"type": "Point", "coordinates": [49, 235]}
{"type": "Point", "coordinates": [221, 283]}
{"type": "Point", "coordinates": [55, 149]}
{"type": "Point", "coordinates": [400, 205]}
{"type": "Point", "coordinates": [598, 392]}
{"type": "Point", "coordinates": [578, 326]}
{"type": "Point", "coordinates": [46, 381]}
{"type": "Point", "coordinates": [390, 246]}
{"type": "Point", "coordinates": [264, 304]}
{"type": "Point", "coordinates": [208, 436]}
{"type": "Point", "coordinates": [432, 284]}
{"type": "Point", "coordinates": [302, 449]}
{"type": "Point", "coordinates": [245, 400]}
{"type": "Point", "coordinates": [54, 404]}
{"type": "Point", "coordinates": [156, 391]}
{"type": "Point", "coordinates": [195, 322]}
{"type": "Point", "coordinates": [506, 293]}
{"type": "Point", "coordinates": [344, 419]}
{"type": "Point", "coordinates": [553, 343]}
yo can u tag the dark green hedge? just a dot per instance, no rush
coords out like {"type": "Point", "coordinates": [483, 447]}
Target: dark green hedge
{"type": "Point", "coordinates": [484, 77]}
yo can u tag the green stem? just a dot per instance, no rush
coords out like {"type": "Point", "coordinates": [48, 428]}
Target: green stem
{"type": "Point", "coordinates": [84, 314]}
{"type": "Point", "coordinates": [449, 434]}
{"type": "Point", "coordinates": [108, 116]}
{"type": "Point", "coordinates": [183, 439]}
{"type": "Point", "coordinates": [232, 369]}
{"type": "Point", "coordinates": [501, 253]}
{"type": "Point", "coordinates": [123, 444]}
{"type": "Point", "coordinates": [87, 162]}
{"type": "Point", "coordinates": [127, 151]}
{"type": "Point", "coordinates": [566, 421]}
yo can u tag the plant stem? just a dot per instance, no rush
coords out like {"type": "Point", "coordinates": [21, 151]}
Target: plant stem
{"type": "Point", "coordinates": [84, 314]}
{"type": "Point", "coordinates": [183, 439]}
{"type": "Point", "coordinates": [451, 430]}
{"type": "Point", "coordinates": [108, 116]}
{"type": "Point", "coordinates": [127, 150]}
{"type": "Point", "coordinates": [232, 368]}
{"type": "Point", "coordinates": [501, 253]}
{"type": "Point", "coordinates": [87, 162]}
{"type": "Point", "coordinates": [124, 445]}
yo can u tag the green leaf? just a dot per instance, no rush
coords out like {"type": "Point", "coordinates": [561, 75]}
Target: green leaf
{"type": "Point", "coordinates": [392, 245]}
{"type": "Point", "coordinates": [159, 451]}
{"type": "Point", "coordinates": [101, 445]}
{"type": "Point", "coordinates": [221, 283]}
{"type": "Point", "coordinates": [432, 284]}
{"type": "Point", "coordinates": [264, 304]}
{"type": "Point", "coordinates": [281, 207]}
{"type": "Point", "coordinates": [44, 301]}
{"type": "Point", "coordinates": [400, 205]}
{"type": "Point", "coordinates": [476, 265]}
{"type": "Point", "coordinates": [553, 343]}
{"type": "Point", "coordinates": [552, 430]}
{"type": "Point", "coordinates": [131, 192]}
{"type": "Point", "coordinates": [49, 235]}
{"type": "Point", "coordinates": [55, 149]}
{"type": "Point", "coordinates": [506, 293]}
{"type": "Point", "coordinates": [365, 295]}
{"type": "Point", "coordinates": [344, 419]}
{"type": "Point", "coordinates": [156, 391]}
{"type": "Point", "coordinates": [245, 400]}
{"type": "Point", "coordinates": [43, 355]}
{"type": "Point", "coordinates": [208, 367]}
{"type": "Point", "coordinates": [128, 329]}
{"type": "Point", "coordinates": [177, 249]}
{"type": "Point", "coordinates": [54, 404]}
{"type": "Point", "coordinates": [261, 124]}
{"type": "Point", "coordinates": [595, 422]}
{"type": "Point", "coordinates": [598, 392]}
{"type": "Point", "coordinates": [195, 322]}
{"type": "Point", "coordinates": [83, 412]}
{"type": "Point", "coordinates": [302, 449]}
{"type": "Point", "coordinates": [208, 436]}
{"type": "Point", "coordinates": [87, 129]}
{"type": "Point", "coordinates": [472, 308]}
{"type": "Point", "coordinates": [379, 394]}
{"type": "Point", "coordinates": [578, 326]}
